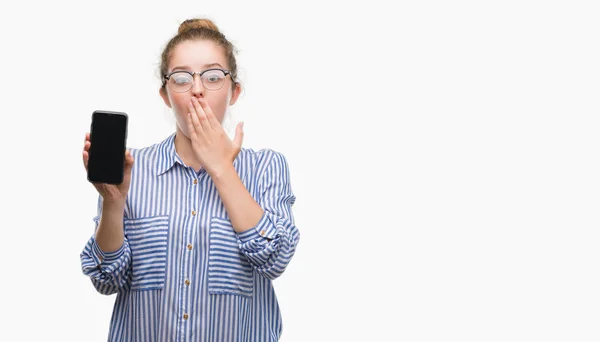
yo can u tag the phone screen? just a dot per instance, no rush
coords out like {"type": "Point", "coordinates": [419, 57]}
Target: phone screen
{"type": "Point", "coordinates": [108, 137]}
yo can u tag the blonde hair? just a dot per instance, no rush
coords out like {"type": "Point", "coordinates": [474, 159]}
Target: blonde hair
{"type": "Point", "coordinates": [192, 29]}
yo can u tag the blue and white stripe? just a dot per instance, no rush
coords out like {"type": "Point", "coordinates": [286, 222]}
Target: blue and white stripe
{"type": "Point", "coordinates": [183, 273]}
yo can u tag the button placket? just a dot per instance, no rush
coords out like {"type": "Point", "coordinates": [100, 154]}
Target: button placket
{"type": "Point", "coordinates": [194, 189]}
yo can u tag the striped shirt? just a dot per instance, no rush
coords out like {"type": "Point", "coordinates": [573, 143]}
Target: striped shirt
{"type": "Point", "coordinates": [183, 273]}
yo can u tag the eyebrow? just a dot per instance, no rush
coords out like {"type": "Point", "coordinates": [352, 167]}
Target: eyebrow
{"type": "Point", "coordinates": [206, 66]}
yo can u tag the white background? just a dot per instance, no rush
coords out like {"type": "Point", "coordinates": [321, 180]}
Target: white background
{"type": "Point", "coordinates": [444, 155]}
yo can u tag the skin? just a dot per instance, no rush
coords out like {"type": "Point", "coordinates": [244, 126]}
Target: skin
{"type": "Point", "coordinates": [201, 142]}
{"type": "Point", "coordinates": [199, 55]}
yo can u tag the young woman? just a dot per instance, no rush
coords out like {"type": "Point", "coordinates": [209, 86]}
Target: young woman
{"type": "Point", "coordinates": [192, 239]}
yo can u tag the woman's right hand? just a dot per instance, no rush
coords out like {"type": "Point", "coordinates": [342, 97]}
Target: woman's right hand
{"type": "Point", "coordinates": [110, 192]}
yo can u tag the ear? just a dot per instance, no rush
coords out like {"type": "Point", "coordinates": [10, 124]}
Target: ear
{"type": "Point", "coordinates": [165, 97]}
{"type": "Point", "coordinates": [235, 94]}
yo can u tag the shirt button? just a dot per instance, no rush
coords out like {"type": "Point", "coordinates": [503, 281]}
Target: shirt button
{"type": "Point", "coordinates": [262, 232]}
{"type": "Point", "coordinates": [194, 212]}
{"type": "Point", "coordinates": [189, 247]}
{"type": "Point", "coordinates": [195, 181]}
{"type": "Point", "coordinates": [187, 282]}
{"type": "Point", "coordinates": [185, 316]}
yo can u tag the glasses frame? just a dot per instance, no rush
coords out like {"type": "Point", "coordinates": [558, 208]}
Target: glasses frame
{"type": "Point", "coordinates": [199, 73]}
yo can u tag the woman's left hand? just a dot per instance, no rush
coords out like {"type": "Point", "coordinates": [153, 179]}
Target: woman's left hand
{"type": "Point", "coordinates": [215, 151]}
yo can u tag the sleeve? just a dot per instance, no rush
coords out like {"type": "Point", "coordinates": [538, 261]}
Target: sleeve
{"type": "Point", "coordinates": [109, 272]}
{"type": "Point", "coordinates": [270, 245]}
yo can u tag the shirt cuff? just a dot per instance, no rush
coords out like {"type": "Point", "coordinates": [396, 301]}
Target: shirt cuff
{"type": "Point", "coordinates": [101, 257]}
{"type": "Point", "coordinates": [263, 229]}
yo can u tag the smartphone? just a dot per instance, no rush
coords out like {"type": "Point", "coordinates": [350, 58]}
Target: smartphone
{"type": "Point", "coordinates": [108, 137]}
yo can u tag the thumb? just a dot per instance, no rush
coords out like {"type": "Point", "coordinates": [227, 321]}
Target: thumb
{"type": "Point", "coordinates": [128, 161]}
{"type": "Point", "coordinates": [239, 135]}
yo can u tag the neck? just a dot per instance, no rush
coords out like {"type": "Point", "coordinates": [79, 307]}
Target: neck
{"type": "Point", "coordinates": [183, 147]}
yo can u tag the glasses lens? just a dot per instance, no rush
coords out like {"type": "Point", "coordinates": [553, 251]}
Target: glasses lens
{"type": "Point", "coordinates": [181, 82]}
{"type": "Point", "coordinates": [213, 79]}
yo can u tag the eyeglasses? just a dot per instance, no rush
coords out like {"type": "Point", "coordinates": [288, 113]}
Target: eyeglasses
{"type": "Point", "coordinates": [181, 81]}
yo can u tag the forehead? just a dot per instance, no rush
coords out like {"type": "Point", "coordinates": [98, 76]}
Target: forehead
{"type": "Point", "coordinates": [196, 54]}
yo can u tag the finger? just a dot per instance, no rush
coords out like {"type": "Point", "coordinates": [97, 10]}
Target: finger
{"type": "Point", "coordinates": [201, 115]}
{"type": "Point", "coordinates": [128, 156]}
{"type": "Point", "coordinates": [86, 157]}
{"type": "Point", "coordinates": [239, 135]}
{"type": "Point", "coordinates": [191, 126]}
{"type": "Point", "coordinates": [86, 150]}
{"type": "Point", "coordinates": [128, 161]}
{"type": "Point", "coordinates": [212, 119]}
{"type": "Point", "coordinates": [195, 121]}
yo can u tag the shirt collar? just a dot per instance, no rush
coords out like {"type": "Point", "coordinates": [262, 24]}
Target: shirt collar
{"type": "Point", "coordinates": [167, 155]}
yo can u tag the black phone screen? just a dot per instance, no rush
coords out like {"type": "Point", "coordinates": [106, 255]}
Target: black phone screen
{"type": "Point", "coordinates": [108, 137]}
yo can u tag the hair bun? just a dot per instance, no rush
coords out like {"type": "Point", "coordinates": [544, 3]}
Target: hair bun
{"type": "Point", "coordinates": [191, 24]}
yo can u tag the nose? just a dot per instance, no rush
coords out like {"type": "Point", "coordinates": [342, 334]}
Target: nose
{"type": "Point", "coordinates": [197, 87]}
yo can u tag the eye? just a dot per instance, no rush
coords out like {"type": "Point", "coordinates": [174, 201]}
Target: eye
{"type": "Point", "coordinates": [214, 76]}
{"type": "Point", "coordinates": [181, 79]}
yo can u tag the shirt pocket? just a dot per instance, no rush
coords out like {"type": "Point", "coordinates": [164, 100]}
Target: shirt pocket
{"type": "Point", "coordinates": [147, 237]}
{"type": "Point", "coordinates": [229, 272]}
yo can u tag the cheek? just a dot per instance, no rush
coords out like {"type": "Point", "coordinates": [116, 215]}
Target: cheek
{"type": "Point", "coordinates": [218, 109]}
{"type": "Point", "coordinates": [219, 105]}
{"type": "Point", "coordinates": [180, 110]}
{"type": "Point", "coordinates": [180, 105]}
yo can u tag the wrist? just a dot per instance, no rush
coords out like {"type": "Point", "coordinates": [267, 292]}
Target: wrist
{"type": "Point", "coordinates": [222, 172]}
{"type": "Point", "coordinates": [113, 206]}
